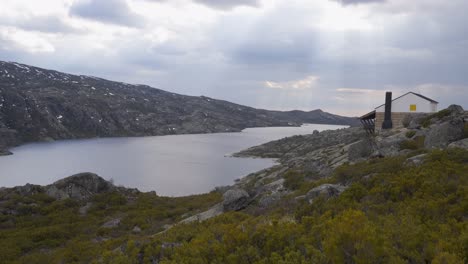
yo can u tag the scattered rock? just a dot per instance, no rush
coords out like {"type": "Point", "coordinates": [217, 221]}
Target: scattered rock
{"type": "Point", "coordinates": [416, 160]}
{"type": "Point", "coordinates": [235, 199]}
{"type": "Point", "coordinates": [212, 212]}
{"type": "Point", "coordinates": [136, 229]}
{"type": "Point", "coordinates": [84, 209]}
{"type": "Point", "coordinates": [325, 190]}
{"type": "Point", "coordinates": [269, 200]}
{"type": "Point", "coordinates": [112, 223]}
{"type": "Point", "coordinates": [459, 144]}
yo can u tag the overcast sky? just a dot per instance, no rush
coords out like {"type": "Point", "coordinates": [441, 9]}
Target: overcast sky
{"type": "Point", "coordinates": [337, 55]}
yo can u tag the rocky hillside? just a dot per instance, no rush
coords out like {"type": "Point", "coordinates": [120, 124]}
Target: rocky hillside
{"type": "Point", "coordinates": [335, 197]}
{"type": "Point", "coordinates": [38, 104]}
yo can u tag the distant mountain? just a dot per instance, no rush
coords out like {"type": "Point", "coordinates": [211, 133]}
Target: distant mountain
{"type": "Point", "coordinates": [38, 104]}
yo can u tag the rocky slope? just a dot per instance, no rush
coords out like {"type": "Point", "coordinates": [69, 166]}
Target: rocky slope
{"type": "Point", "coordinates": [38, 104]}
{"type": "Point", "coordinates": [318, 155]}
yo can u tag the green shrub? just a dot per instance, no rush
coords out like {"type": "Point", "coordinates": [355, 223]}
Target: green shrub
{"type": "Point", "coordinates": [293, 180]}
{"type": "Point", "coordinates": [427, 121]}
{"type": "Point", "coordinates": [413, 144]}
{"type": "Point", "coordinates": [410, 134]}
{"type": "Point", "coordinates": [409, 144]}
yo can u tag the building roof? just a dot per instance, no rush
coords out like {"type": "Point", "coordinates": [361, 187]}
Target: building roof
{"type": "Point", "coordinates": [420, 95]}
{"type": "Point", "coordinates": [370, 115]}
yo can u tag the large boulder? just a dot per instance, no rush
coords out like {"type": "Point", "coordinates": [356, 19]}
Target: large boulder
{"type": "Point", "coordinates": [389, 146]}
{"type": "Point", "coordinates": [326, 191]}
{"type": "Point", "coordinates": [79, 186]}
{"type": "Point", "coordinates": [441, 135]}
{"type": "Point", "coordinates": [235, 199]}
{"type": "Point", "coordinates": [360, 149]}
{"type": "Point", "coordinates": [459, 144]}
{"type": "Point", "coordinates": [456, 110]}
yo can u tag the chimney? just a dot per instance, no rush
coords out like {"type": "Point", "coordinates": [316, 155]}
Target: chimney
{"type": "Point", "coordinates": [387, 123]}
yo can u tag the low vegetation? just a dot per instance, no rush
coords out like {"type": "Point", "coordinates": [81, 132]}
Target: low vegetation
{"type": "Point", "coordinates": [39, 229]}
{"type": "Point", "coordinates": [413, 144]}
{"type": "Point", "coordinates": [427, 121]}
{"type": "Point", "coordinates": [392, 212]}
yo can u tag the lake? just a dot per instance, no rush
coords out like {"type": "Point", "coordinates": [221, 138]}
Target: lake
{"type": "Point", "coordinates": [173, 165]}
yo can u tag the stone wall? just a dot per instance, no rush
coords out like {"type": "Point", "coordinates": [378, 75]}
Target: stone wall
{"type": "Point", "coordinates": [397, 118]}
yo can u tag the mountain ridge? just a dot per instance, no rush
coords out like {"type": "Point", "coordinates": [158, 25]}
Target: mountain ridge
{"type": "Point", "coordinates": [39, 105]}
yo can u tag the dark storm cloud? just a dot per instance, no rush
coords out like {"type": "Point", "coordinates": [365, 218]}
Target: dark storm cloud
{"type": "Point", "coordinates": [108, 11]}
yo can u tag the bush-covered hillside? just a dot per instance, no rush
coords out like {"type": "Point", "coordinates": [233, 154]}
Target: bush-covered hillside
{"type": "Point", "coordinates": [393, 212]}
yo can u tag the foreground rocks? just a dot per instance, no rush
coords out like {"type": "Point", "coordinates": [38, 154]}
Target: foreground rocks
{"type": "Point", "coordinates": [80, 186]}
{"type": "Point", "coordinates": [459, 144]}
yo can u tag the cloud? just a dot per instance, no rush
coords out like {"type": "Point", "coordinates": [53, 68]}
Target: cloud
{"type": "Point", "coordinates": [109, 11]}
{"type": "Point", "coordinates": [308, 82]}
{"type": "Point", "coordinates": [228, 4]}
{"type": "Point", "coordinates": [268, 56]}
{"type": "Point", "coordinates": [356, 2]}
{"type": "Point", "coordinates": [41, 23]}
{"type": "Point", "coordinates": [15, 39]}
{"type": "Point", "coordinates": [222, 4]}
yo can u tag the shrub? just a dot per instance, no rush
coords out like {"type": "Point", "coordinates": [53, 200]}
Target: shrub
{"type": "Point", "coordinates": [293, 180]}
{"type": "Point", "coordinates": [427, 121]}
{"type": "Point", "coordinates": [409, 144]}
{"type": "Point", "coordinates": [410, 134]}
{"type": "Point", "coordinates": [414, 144]}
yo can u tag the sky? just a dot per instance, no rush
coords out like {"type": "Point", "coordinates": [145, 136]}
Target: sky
{"type": "Point", "coordinates": [336, 55]}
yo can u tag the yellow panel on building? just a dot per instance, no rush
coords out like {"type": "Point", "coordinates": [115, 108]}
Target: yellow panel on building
{"type": "Point", "coordinates": [412, 108]}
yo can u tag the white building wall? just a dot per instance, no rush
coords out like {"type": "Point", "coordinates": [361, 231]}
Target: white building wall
{"type": "Point", "coordinates": [403, 104]}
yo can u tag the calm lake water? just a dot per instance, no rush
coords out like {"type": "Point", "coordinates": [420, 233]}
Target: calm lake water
{"type": "Point", "coordinates": [170, 165]}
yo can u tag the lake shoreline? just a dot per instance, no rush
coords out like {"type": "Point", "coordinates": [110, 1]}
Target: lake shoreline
{"type": "Point", "coordinates": [171, 165]}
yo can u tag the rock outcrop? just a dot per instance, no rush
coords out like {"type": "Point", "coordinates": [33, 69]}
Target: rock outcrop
{"type": "Point", "coordinates": [235, 199]}
{"type": "Point", "coordinates": [459, 144]}
{"type": "Point", "coordinates": [79, 186]}
{"type": "Point", "coordinates": [441, 135]}
{"type": "Point", "coordinates": [326, 191]}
